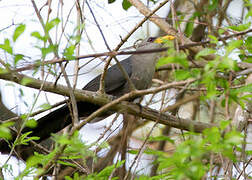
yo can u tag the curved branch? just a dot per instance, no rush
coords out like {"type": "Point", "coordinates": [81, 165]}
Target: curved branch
{"type": "Point", "coordinates": [120, 106]}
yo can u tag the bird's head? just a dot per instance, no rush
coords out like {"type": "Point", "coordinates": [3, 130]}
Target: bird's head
{"type": "Point", "coordinates": [154, 42]}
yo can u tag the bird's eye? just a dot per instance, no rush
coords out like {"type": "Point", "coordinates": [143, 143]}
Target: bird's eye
{"type": "Point", "coordinates": [151, 39]}
{"type": "Point", "coordinates": [137, 43]}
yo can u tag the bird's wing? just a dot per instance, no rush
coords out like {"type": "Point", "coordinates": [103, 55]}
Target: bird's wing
{"type": "Point", "coordinates": [114, 78]}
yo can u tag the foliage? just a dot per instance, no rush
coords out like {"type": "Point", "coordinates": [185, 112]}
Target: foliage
{"type": "Point", "coordinates": [193, 157]}
{"type": "Point", "coordinates": [5, 131]}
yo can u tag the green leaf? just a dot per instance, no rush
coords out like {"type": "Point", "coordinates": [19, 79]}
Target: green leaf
{"type": "Point", "coordinates": [49, 25]}
{"type": "Point", "coordinates": [69, 52]}
{"type": "Point", "coordinates": [246, 88]}
{"type": "Point", "coordinates": [24, 139]}
{"type": "Point", "coordinates": [249, 14]}
{"type": "Point", "coordinates": [7, 124]}
{"type": "Point", "coordinates": [39, 159]}
{"type": "Point", "coordinates": [182, 74]}
{"type": "Point", "coordinates": [18, 31]}
{"type": "Point", "coordinates": [244, 58]}
{"type": "Point", "coordinates": [241, 27]}
{"type": "Point", "coordinates": [3, 71]}
{"type": "Point", "coordinates": [143, 177]}
{"type": "Point", "coordinates": [31, 123]}
{"type": "Point", "coordinates": [37, 35]}
{"type": "Point", "coordinates": [105, 173]}
{"type": "Point", "coordinates": [224, 124]}
{"type": "Point", "coordinates": [126, 5]}
{"type": "Point", "coordinates": [212, 135]}
{"type": "Point", "coordinates": [76, 39]}
{"type": "Point", "coordinates": [233, 137]}
{"type": "Point", "coordinates": [161, 138]}
{"type": "Point", "coordinates": [153, 152]}
{"type": "Point", "coordinates": [45, 106]}
{"type": "Point", "coordinates": [248, 44]}
{"type": "Point", "coordinates": [228, 63]}
{"type": "Point", "coordinates": [66, 163]}
{"type": "Point", "coordinates": [68, 178]}
{"type": "Point", "coordinates": [133, 151]}
{"type": "Point", "coordinates": [205, 52]}
{"type": "Point", "coordinates": [212, 5]}
{"type": "Point", "coordinates": [104, 145]}
{"type": "Point", "coordinates": [189, 27]}
{"type": "Point", "coordinates": [247, 97]}
{"type": "Point", "coordinates": [233, 45]}
{"type": "Point", "coordinates": [213, 39]}
{"type": "Point", "coordinates": [249, 40]}
{"type": "Point", "coordinates": [5, 132]}
{"type": "Point", "coordinates": [17, 58]}
{"type": "Point", "coordinates": [195, 72]}
{"type": "Point", "coordinates": [178, 59]}
{"type": "Point", "coordinates": [75, 156]}
{"type": "Point", "coordinates": [6, 46]}
{"type": "Point", "coordinates": [210, 83]}
{"type": "Point", "coordinates": [111, 1]}
{"type": "Point", "coordinates": [47, 50]}
{"type": "Point", "coordinates": [24, 116]}
{"type": "Point", "coordinates": [221, 31]}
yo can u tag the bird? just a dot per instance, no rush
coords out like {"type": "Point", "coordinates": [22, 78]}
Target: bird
{"type": "Point", "coordinates": [140, 69]}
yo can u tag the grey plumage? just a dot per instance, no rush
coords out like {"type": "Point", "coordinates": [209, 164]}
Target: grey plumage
{"type": "Point", "coordinates": [139, 67]}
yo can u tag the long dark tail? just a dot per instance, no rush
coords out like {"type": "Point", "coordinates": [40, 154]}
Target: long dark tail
{"type": "Point", "coordinates": [51, 123]}
{"type": "Point", "coordinates": [59, 119]}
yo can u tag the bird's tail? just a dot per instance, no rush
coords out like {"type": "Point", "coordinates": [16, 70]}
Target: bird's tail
{"type": "Point", "coordinates": [51, 123]}
{"type": "Point", "coordinates": [59, 119]}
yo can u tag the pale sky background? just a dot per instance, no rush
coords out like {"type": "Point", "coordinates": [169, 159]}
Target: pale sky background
{"type": "Point", "coordinates": [115, 23]}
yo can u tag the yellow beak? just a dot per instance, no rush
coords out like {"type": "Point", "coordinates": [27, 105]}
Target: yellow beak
{"type": "Point", "coordinates": [164, 38]}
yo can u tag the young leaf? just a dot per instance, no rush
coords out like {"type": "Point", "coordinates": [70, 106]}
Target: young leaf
{"type": "Point", "coordinates": [228, 63]}
{"type": "Point", "coordinates": [45, 106]}
{"type": "Point", "coordinates": [18, 31]}
{"type": "Point", "coordinates": [17, 58]}
{"type": "Point", "coordinates": [24, 139]}
{"type": "Point", "coordinates": [109, 169]}
{"type": "Point", "coordinates": [246, 88]}
{"type": "Point", "coordinates": [37, 35]}
{"type": "Point", "coordinates": [6, 46]}
{"type": "Point", "coordinates": [49, 25]}
{"type": "Point", "coordinates": [5, 131]}
{"type": "Point", "coordinates": [241, 27]}
{"type": "Point", "coordinates": [182, 74]}
{"type": "Point", "coordinates": [213, 39]}
{"type": "Point", "coordinates": [126, 5]}
{"type": "Point", "coordinates": [233, 137]}
{"type": "Point", "coordinates": [212, 5]}
{"type": "Point", "coordinates": [233, 45]}
{"type": "Point", "coordinates": [178, 59]}
{"type": "Point", "coordinates": [205, 52]}
{"type": "Point", "coordinates": [189, 27]}
{"type": "Point", "coordinates": [66, 163]}
{"type": "Point", "coordinates": [248, 44]}
{"type": "Point", "coordinates": [69, 52]}
{"type": "Point", "coordinates": [47, 50]}
{"type": "Point", "coordinates": [31, 123]}
{"type": "Point", "coordinates": [161, 138]}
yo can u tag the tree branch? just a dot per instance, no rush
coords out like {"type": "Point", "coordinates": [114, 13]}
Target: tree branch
{"type": "Point", "coordinates": [123, 106]}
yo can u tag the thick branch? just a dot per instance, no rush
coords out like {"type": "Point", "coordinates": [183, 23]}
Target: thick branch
{"type": "Point", "coordinates": [163, 25]}
{"type": "Point", "coordinates": [124, 106]}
